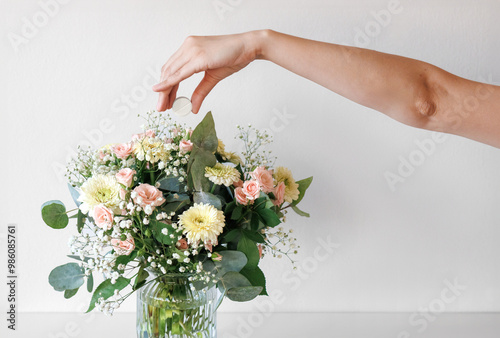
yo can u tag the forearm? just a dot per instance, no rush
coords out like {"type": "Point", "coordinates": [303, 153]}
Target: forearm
{"type": "Point", "coordinates": [394, 85]}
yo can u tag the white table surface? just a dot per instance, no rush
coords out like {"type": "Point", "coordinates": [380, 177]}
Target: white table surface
{"type": "Point", "coordinates": [264, 325]}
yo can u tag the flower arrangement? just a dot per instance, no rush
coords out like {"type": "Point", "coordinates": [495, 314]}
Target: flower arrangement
{"type": "Point", "coordinates": [173, 200]}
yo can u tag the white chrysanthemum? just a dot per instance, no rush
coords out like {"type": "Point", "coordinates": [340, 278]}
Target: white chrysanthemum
{"type": "Point", "coordinates": [222, 174]}
{"type": "Point", "coordinates": [202, 222]}
{"type": "Point", "coordinates": [99, 189]}
{"type": "Point", "coordinates": [151, 149]}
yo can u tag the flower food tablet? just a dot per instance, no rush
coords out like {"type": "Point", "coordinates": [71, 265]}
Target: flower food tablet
{"type": "Point", "coordinates": [182, 106]}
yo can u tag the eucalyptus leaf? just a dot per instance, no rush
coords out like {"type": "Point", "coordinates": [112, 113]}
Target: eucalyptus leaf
{"type": "Point", "coordinates": [171, 183]}
{"type": "Point", "coordinates": [54, 214]}
{"type": "Point", "coordinates": [204, 135]}
{"type": "Point", "coordinates": [231, 260]}
{"type": "Point", "coordinates": [70, 293]}
{"type": "Point", "coordinates": [106, 290]}
{"type": "Point", "coordinates": [207, 198]}
{"type": "Point", "coordinates": [67, 277]}
{"type": "Point", "coordinates": [244, 294]}
{"type": "Point", "coordinates": [74, 194]}
{"type": "Point", "coordinates": [81, 221]}
{"type": "Point", "coordinates": [233, 279]}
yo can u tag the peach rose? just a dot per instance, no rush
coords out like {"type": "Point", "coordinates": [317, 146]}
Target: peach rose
{"type": "Point", "coordinates": [264, 177]}
{"type": "Point", "coordinates": [182, 244]}
{"type": "Point", "coordinates": [241, 198]}
{"type": "Point", "coordinates": [125, 176]}
{"type": "Point", "coordinates": [103, 217]}
{"type": "Point", "coordinates": [238, 184]}
{"type": "Point", "coordinates": [251, 189]}
{"type": "Point", "coordinates": [185, 146]}
{"type": "Point", "coordinates": [279, 194]}
{"type": "Point", "coordinates": [123, 150]}
{"type": "Point", "coordinates": [260, 250]}
{"type": "Point", "coordinates": [189, 132]}
{"type": "Point", "coordinates": [148, 195]}
{"type": "Point", "coordinates": [148, 133]}
{"type": "Point", "coordinates": [123, 247]}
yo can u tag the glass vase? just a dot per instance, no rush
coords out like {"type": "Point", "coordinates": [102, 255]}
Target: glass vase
{"type": "Point", "coordinates": [170, 306]}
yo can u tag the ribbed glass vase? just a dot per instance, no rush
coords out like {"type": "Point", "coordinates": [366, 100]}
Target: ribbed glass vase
{"type": "Point", "coordinates": [169, 306]}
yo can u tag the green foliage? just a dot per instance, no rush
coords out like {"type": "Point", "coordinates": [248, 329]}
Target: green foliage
{"type": "Point", "coordinates": [69, 276]}
{"type": "Point", "coordinates": [157, 228]}
{"type": "Point", "coordinates": [90, 283]}
{"type": "Point", "coordinates": [74, 194]}
{"type": "Point", "coordinates": [207, 198]}
{"type": "Point", "coordinates": [106, 290]}
{"type": "Point", "coordinates": [269, 217]}
{"type": "Point", "coordinates": [125, 259]}
{"type": "Point", "coordinates": [303, 185]}
{"type": "Point", "coordinates": [244, 294]}
{"type": "Point", "coordinates": [171, 183]}
{"type": "Point", "coordinates": [205, 143]}
{"type": "Point", "coordinates": [70, 293]}
{"type": "Point", "coordinates": [256, 278]}
{"type": "Point", "coordinates": [249, 248]}
{"type": "Point", "coordinates": [140, 280]}
{"type": "Point", "coordinates": [54, 214]}
{"type": "Point", "coordinates": [80, 221]}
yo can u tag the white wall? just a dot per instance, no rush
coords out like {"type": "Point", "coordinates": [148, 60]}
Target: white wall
{"type": "Point", "coordinates": [395, 249]}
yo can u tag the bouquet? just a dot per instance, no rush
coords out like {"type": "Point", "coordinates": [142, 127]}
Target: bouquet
{"type": "Point", "coordinates": [173, 200]}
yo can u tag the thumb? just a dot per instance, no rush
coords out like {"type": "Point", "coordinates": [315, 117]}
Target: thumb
{"type": "Point", "coordinates": [206, 85]}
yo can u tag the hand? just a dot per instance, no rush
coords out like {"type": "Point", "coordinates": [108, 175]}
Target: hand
{"type": "Point", "coordinates": [218, 56]}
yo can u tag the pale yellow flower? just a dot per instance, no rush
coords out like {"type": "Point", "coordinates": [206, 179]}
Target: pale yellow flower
{"type": "Point", "coordinates": [282, 174]}
{"type": "Point", "coordinates": [150, 149]}
{"type": "Point", "coordinates": [227, 155]}
{"type": "Point", "coordinates": [222, 174]}
{"type": "Point", "coordinates": [202, 222]}
{"type": "Point", "coordinates": [221, 147]}
{"type": "Point", "coordinates": [100, 189]}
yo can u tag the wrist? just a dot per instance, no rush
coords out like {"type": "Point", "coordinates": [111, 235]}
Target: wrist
{"type": "Point", "coordinates": [257, 42]}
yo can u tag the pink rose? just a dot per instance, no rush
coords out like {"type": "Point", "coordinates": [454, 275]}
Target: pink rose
{"type": "Point", "coordinates": [103, 217]}
{"type": "Point", "coordinates": [176, 131]}
{"type": "Point", "coordinates": [123, 247]}
{"type": "Point", "coordinates": [148, 195]}
{"type": "Point", "coordinates": [260, 250]}
{"type": "Point", "coordinates": [264, 177]}
{"type": "Point", "coordinates": [189, 132]}
{"type": "Point", "coordinates": [238, 184]}
{"type": "Point", "coordinates": [279, 194]}
{"type": "Point", "coordinates": [123, 194]}
{"type": "Point", "coordinates": [251, 189]}
{"type": "Point", "coordinates": [185, 146]}
{"type": "Point", "coordinates": [125, 177]}
{"type": "Point", "coordinates": [182, 244]}
{"type": "Point", "coordinates": [123, 150]}
{"type": "Point", "coordinates": [148, 133]}
{"type": "Point", "coordinates": [241, 198]}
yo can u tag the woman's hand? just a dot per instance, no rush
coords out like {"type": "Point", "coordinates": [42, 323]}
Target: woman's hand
{"type": "Point", "coordinates": [218, 56]}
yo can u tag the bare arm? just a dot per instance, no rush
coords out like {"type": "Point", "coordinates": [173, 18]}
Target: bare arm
{"type": "Point", "coordinates": [410, 91]}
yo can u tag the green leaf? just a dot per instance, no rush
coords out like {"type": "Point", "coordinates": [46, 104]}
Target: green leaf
{"type": "Point", "coordinates": [249, 248]}
{"type": "Point", "coordinates": [237, 213]}
{"type": "Point", "coordinates": [232, 260]}
{"type": "Point", "coordinates": [244, 294]}
{"type": "Point", "coordinates": [234, 279]}
{"type": "Point", "coordinates": [106, 290]}
{"type": "Point", "coordinates": [125, 259]}
{"type": "Point", "coordinates": [74, 194]}
{"type": "Point", "coordinates": [256, 277]}
{"type": "Point", "coordinates": [67, 277]}
{"type": "Point", "coordinates": [300, 212]}
{"type": "Point", "coordinates": [198, 161]}
{"type": "Point", "coordinates": [207, 198]}
{"type": "Point", "coordinates": [54, 214]}
{"type": "Point", "coordinates": [174, 206]}
{"type": "Point", "coordinates": [269, 217]}
{"type": "Point", "coordinates": [90, 283]}
{"type": "Point", "coordinates": [70, 293]}
{"type": "Point", "coordinates": [140, 280]}
{"type": "Point", "coordinates": [204, 135]}
{"type": "Point", "coordinates": [303, 185]}
{"type": "Point", "coordinates": [232, 235]}
{"type": "Point", "coordinates": [81, 221]}
{"type": "Point", "coordinates": [229, 207]}
{"type": "Point", "coordinates": [254, 236]}
{"type": "Point", "coordinates": [171, 183]}
{"type": "Point", "coordinates": [157, 227]}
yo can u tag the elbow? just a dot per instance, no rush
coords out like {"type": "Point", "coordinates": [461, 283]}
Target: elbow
{"type": "Point", "coordinates": [426, 107]}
